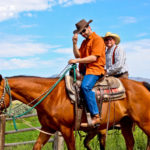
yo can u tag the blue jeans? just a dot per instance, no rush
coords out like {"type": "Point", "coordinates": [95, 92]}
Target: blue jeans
{"type": "Point", "coordinates": [89, 96]}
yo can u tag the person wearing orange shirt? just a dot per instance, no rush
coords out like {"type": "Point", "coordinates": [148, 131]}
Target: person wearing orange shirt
{"type": "Point", "coordinates": [91, 59]}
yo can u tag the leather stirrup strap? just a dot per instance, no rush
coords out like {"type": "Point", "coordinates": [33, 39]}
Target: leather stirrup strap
{"type": "Point", "coordinates": [109, 105]}
{"type": "Point", "coordinates": [100, 102]}
{"type": "Point", "coordinates": [89, 119]}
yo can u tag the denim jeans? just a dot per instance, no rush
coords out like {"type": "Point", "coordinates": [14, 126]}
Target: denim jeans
{"type": "Point", "coordinates": [89, 96]}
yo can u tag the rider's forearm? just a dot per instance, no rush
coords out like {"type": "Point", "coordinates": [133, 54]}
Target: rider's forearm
{"type": "Point", "coordinates": [87, 59]}
{"type": "Point", "coordinates": [76, 51]}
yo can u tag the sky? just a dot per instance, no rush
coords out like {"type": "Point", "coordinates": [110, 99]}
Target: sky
{"type": "Point", "coordinates": [36, 35]}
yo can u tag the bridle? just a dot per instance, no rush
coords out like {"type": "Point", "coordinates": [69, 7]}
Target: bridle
{"type": "Point", "coordinates": [2, 99]}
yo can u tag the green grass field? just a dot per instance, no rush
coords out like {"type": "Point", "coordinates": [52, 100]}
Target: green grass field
{"type": "Point", "coordinates": [115, 140]}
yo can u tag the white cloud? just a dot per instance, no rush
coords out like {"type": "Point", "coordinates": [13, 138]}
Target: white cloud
{"type": "Point", "coordinates": [22, 49]}
{"type": "Point", "coordinates": [83, 1]}
{"type": "Point", "coordinates": [12, 8]}
{"type": "Point", "coordinates": [17, 63]}
{"type": "Point", "coordinates": [28, 14]}
{"type": "Point", "coordinates": [64, 50]}
{"type": "Point", "coordinates": [137, 46]}
{"type": "Point", "coordinates": [28, 26]}
{"type": "Point", "coordinates": [138, 58]}
{"type": "Point", "coordinates": [142, 34]}
{"type": "Point", "coordinates": [21, 46]}
{"type": "Point", "coordinates": [30, 66]}
{"type": "Point", "coordinates": [71, 2]}
{"type": "Point", "coordinates": [128, 19]}
{"type": "Point", "coordinates": [17, 38]}
{"type": "Point", "coordinates": [15, 54]}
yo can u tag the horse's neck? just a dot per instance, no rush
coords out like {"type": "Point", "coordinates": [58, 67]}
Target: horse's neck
{"type": "Point", "coordinates": [26, 89]}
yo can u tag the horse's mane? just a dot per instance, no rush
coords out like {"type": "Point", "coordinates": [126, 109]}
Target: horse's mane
{"type": "Point", "coordinates": [147, 85]}
{"type": "Point", "coordinates": [24, 76]}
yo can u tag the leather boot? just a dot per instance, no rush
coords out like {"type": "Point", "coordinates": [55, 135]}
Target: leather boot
{"type": "Point", "coordinates": [96, 119]}
{"type": "Point", "coordinates": [95, 122]}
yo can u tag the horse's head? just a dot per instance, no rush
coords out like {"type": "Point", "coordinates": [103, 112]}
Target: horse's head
{"type": "Point", "coordinates": [4, 96]}
{"type": "Point", "coordinates": [0, 78]}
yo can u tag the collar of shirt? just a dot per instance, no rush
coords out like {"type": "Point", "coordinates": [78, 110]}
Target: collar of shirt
{"type": "Point", "coordinates": [90, 36]}
{"type": "Point", "coordinates": [110, 48]}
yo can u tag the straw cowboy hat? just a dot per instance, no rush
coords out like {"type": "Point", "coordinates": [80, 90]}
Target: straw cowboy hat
{"type": "Point", "coordinates": [115, 36]}
{"type": "Point", "coordinates": [81, 25]}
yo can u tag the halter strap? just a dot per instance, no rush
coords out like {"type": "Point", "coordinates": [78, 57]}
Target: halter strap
{"type": "Point", "coordinates": [8, 90]}
{"type": "Point", "coordinates": [5, 90]}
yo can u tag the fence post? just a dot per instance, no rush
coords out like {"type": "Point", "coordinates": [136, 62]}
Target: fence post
{"type": "Point", "coordinates": [2, 131]}
{"type": "Point", "coordinates": [58, 141]}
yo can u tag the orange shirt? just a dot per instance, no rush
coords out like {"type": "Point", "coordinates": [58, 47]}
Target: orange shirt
{"type": "Point", "coordinates": [94, 45]}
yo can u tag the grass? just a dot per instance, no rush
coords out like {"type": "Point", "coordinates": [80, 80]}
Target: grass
{"type": "Point", "coordinates": [115, 140]}
{"type": "Point", "coordinates": [23, 136]}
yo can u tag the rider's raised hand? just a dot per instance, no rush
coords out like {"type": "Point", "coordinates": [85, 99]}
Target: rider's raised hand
{"type": "Point", "coordinates": [75, 38]}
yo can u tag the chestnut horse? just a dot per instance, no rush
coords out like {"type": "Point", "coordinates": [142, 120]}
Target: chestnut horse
{"type": "Point", "coordinates": [56, 112]}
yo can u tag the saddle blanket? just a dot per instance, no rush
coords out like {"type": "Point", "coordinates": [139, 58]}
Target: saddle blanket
{"type": "Point", "coordinates": [110, 88]}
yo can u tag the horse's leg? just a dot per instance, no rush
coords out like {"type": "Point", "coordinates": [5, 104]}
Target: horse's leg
{"type": "Point", "coordinates": [145, 126]}
{"type": "Point", "coordinates": [148, 143]}
{"type": "Point", "coordinates": [102, 139]}
{"type": "Point", "coordinates": [68, 136]}
{"type": "Point", "coordinates": [126, 128]}
{"type": "Point", "coordinates": [42, 140]}
{"type": "Point", "coordinates": [89, 136]}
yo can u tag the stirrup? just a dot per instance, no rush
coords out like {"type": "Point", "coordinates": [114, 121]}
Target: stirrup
{"type": "Point", "coordinates": [89, 122]}
{"type": "Point", "coordinates": [86, 125]}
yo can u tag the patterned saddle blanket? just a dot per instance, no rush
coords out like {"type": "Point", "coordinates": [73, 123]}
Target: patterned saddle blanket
{"type": "Point", "coordinates": [110, 88]}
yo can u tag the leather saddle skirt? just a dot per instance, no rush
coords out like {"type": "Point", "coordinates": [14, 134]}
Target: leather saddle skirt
{"type": "Point", "coordinates": [110, 88]}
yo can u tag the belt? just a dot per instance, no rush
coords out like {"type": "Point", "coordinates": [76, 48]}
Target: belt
{"type": "Point", "coordinates": [118, 75]}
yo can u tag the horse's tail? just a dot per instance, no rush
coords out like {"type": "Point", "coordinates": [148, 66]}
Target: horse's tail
{"type": "Point", "coordinates": [147, 85]}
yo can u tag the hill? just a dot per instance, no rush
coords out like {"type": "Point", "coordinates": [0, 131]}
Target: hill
{"type": "Point", "coordinates": [140, 79]}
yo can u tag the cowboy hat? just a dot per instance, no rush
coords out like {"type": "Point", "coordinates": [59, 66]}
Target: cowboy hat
{"type": "Point", "coordinates": [81, 25]}
{"type": "Point", "coordinates": [115, 36]}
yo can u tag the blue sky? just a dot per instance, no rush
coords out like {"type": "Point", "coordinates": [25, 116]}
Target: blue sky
{"type": "Point", "coordinates": [36, 35]}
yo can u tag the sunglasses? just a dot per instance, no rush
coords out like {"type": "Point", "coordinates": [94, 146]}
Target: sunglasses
{"type": "Point", "coordinates": [108, 39]}
{"type": "Point", "coordinates": [83, 31]}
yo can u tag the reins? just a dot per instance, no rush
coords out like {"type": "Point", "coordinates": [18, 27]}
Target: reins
{"type": "Point", "coordinates": [8, 90]}
{"type": "Point", "coordinates": [42, 93]}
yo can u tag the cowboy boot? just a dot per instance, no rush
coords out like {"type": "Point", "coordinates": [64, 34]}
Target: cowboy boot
{"type": "Point", "coordinates": [96, 119]}
{"type": "Point", "coordinates": [94, 122]}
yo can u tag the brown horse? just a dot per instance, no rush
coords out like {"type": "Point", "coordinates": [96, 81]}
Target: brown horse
{"type": "Point", "coordinates": [56, 113]}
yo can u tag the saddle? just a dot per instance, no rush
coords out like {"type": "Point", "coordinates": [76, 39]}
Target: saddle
{"type": "Point", "coordinates": [110, 88]}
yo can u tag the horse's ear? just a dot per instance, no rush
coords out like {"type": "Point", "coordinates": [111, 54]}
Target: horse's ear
{"type": "Point", "coordinates": [1, 78]}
